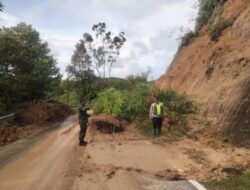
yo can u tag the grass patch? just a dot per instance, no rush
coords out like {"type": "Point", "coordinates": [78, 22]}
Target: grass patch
{"type": "Point", "coordinates": [239, 182]}
{"type": "Point", "coordinates": [146, 128]}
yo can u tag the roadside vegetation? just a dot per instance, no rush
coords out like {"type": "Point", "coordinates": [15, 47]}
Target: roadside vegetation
{"type": "Point", "coordinates": [28, 71]}
{"type": "Point", "coordinates": [176, 107]}
{"type": "Point", "coordinates": [240, 182]}
{"type": "Point", "coordinates": [133, 105]}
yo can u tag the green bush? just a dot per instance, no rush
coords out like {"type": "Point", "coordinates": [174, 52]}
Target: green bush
{"type": "Point", "coordinates": [175, 106]}
{"type": "Point", "coordinates": [216, 29]}
{"type": "Point", "coordinates": [175, 102]}
{"type": "Point", "coordinates": [69, 98]}
{"type": "Point", "coordinates": [206, 9]}
{"type": "Point", "coordinates": [130, 105]}
{"type": "Point", "coordinates": [136, 103]}
{"type": "Point", "coordinates": [109, 102]}
{"type": "Point", "coordinates": [186, 38]}
{"type": "Point", "coordinates": [134, 106]}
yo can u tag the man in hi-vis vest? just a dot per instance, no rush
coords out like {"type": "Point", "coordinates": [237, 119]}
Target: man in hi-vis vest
{"type": "Point", "coordinates": [156, 115]}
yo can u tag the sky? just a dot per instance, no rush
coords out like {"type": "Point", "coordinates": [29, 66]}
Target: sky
{"type": "Point", "coordinates": [152, 28]}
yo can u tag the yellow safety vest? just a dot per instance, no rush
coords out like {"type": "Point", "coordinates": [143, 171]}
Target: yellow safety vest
{"type": "Point", "coordinates": [158, 109]}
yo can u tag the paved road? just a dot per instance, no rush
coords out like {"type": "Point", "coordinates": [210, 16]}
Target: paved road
{"type": "Point", "coordinates": [39, 161]}
{"type": "Point", "coordinates": [50, 160]}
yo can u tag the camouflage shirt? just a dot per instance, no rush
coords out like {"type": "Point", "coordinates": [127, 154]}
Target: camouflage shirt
{"type": "Point", "coordinates": [83, 115]}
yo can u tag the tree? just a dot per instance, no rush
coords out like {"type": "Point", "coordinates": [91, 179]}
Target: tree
{"type": "Point", "coordinates": [80, 67]}
{"type": "Point", "coordinates": [1, 6]}
{"type": "Point", "coordinates": [27, 69]}
{"type": "Point", "coordinates": [80, 71]}
{"type": "Point", "coordinates": [94, 53]}
{"type": "Point", "coordinates": [101, 50]}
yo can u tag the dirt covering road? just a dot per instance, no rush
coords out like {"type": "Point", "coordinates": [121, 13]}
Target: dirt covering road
{"type": "Point", "coordinates": [124, 160]}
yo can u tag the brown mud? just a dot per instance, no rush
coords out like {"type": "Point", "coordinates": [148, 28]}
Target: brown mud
{"type": "Point", "coordinates": [31, 118]}
{"type": "Point", "coordinates": [124, 160]}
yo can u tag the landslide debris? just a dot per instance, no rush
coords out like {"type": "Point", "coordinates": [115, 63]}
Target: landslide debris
{"type": "Point", "coordinates": [32, 117]}
{"type": "Point", "coordinates": [108, 124]}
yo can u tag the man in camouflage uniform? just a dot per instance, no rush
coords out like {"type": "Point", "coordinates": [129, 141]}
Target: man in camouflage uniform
{"type": "Point", "coordinates": [83, 121]}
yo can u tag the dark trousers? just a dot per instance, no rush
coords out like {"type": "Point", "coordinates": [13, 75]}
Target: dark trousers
{"type": "Point", "coordinates": [157, 124]}
{"type": "Point", "coordinates": [83, 129]}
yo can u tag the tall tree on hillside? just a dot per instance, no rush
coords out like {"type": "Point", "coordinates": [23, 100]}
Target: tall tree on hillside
{"type": "Point", "coordinates": [101, 49]}
{"type": "Point", "coordinates": [1, 6]}
{"type": "Point", "coordinates": [81, 72]}
{"type": "Point", "coordinates": [27, 69]}
{"type": "Point", "coordinates": [97, 52]}
{"type": "Point", "coordinates": [80, 67]}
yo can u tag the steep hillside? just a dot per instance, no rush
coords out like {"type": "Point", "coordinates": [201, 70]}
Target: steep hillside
{"type": "Point", "coordinates": [216, 71]}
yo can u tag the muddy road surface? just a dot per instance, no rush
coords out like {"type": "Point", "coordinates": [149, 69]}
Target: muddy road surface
{"type": "Point", "coordinates": [126, 160]}
{"type": "Point", "coordinates": [39, 161]}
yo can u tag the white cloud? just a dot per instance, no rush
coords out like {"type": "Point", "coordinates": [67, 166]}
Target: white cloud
{"type": "Point", "coordinates": [62, 49]}
{"type": "Point", "coordinates": [151, 28]}
{"type": "Point", "coordinates": [8, 20]}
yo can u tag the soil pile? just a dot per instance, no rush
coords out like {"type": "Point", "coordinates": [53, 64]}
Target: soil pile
{"type": "Point", "coordinates": [216, 73]}
{"type": "Point", "coordinates": [32, 117]}
{"type": "Point", "coordinates": [42, 112]}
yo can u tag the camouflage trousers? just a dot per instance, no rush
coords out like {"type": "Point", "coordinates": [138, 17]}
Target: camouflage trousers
{"type": "Point", "coordinates": [83, 129]}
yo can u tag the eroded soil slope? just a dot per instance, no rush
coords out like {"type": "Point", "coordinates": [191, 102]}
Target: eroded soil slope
{"type": "Point", "coordinates": [217, 73]}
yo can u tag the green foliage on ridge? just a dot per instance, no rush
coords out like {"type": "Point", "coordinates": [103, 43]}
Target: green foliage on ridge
{"type": "Point", "coordinates": [187, 38]}
{"type": "Point", "coordinates": [205, 14]}
{"type": "Point", "coordinates": [206, 9]}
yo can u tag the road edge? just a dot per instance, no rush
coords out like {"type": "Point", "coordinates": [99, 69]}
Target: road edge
{"type": "Point", "coordinates": [197, 185]}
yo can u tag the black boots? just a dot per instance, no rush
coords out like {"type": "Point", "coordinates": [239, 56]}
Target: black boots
{"type": "Point", "coordinates": [83, 143]}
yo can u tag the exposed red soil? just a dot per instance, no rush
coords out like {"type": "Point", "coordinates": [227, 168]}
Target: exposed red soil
{"type": "Point", "coordinates": [42, 113]}
{"type": "Point", "coordinates": [217, 73]}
